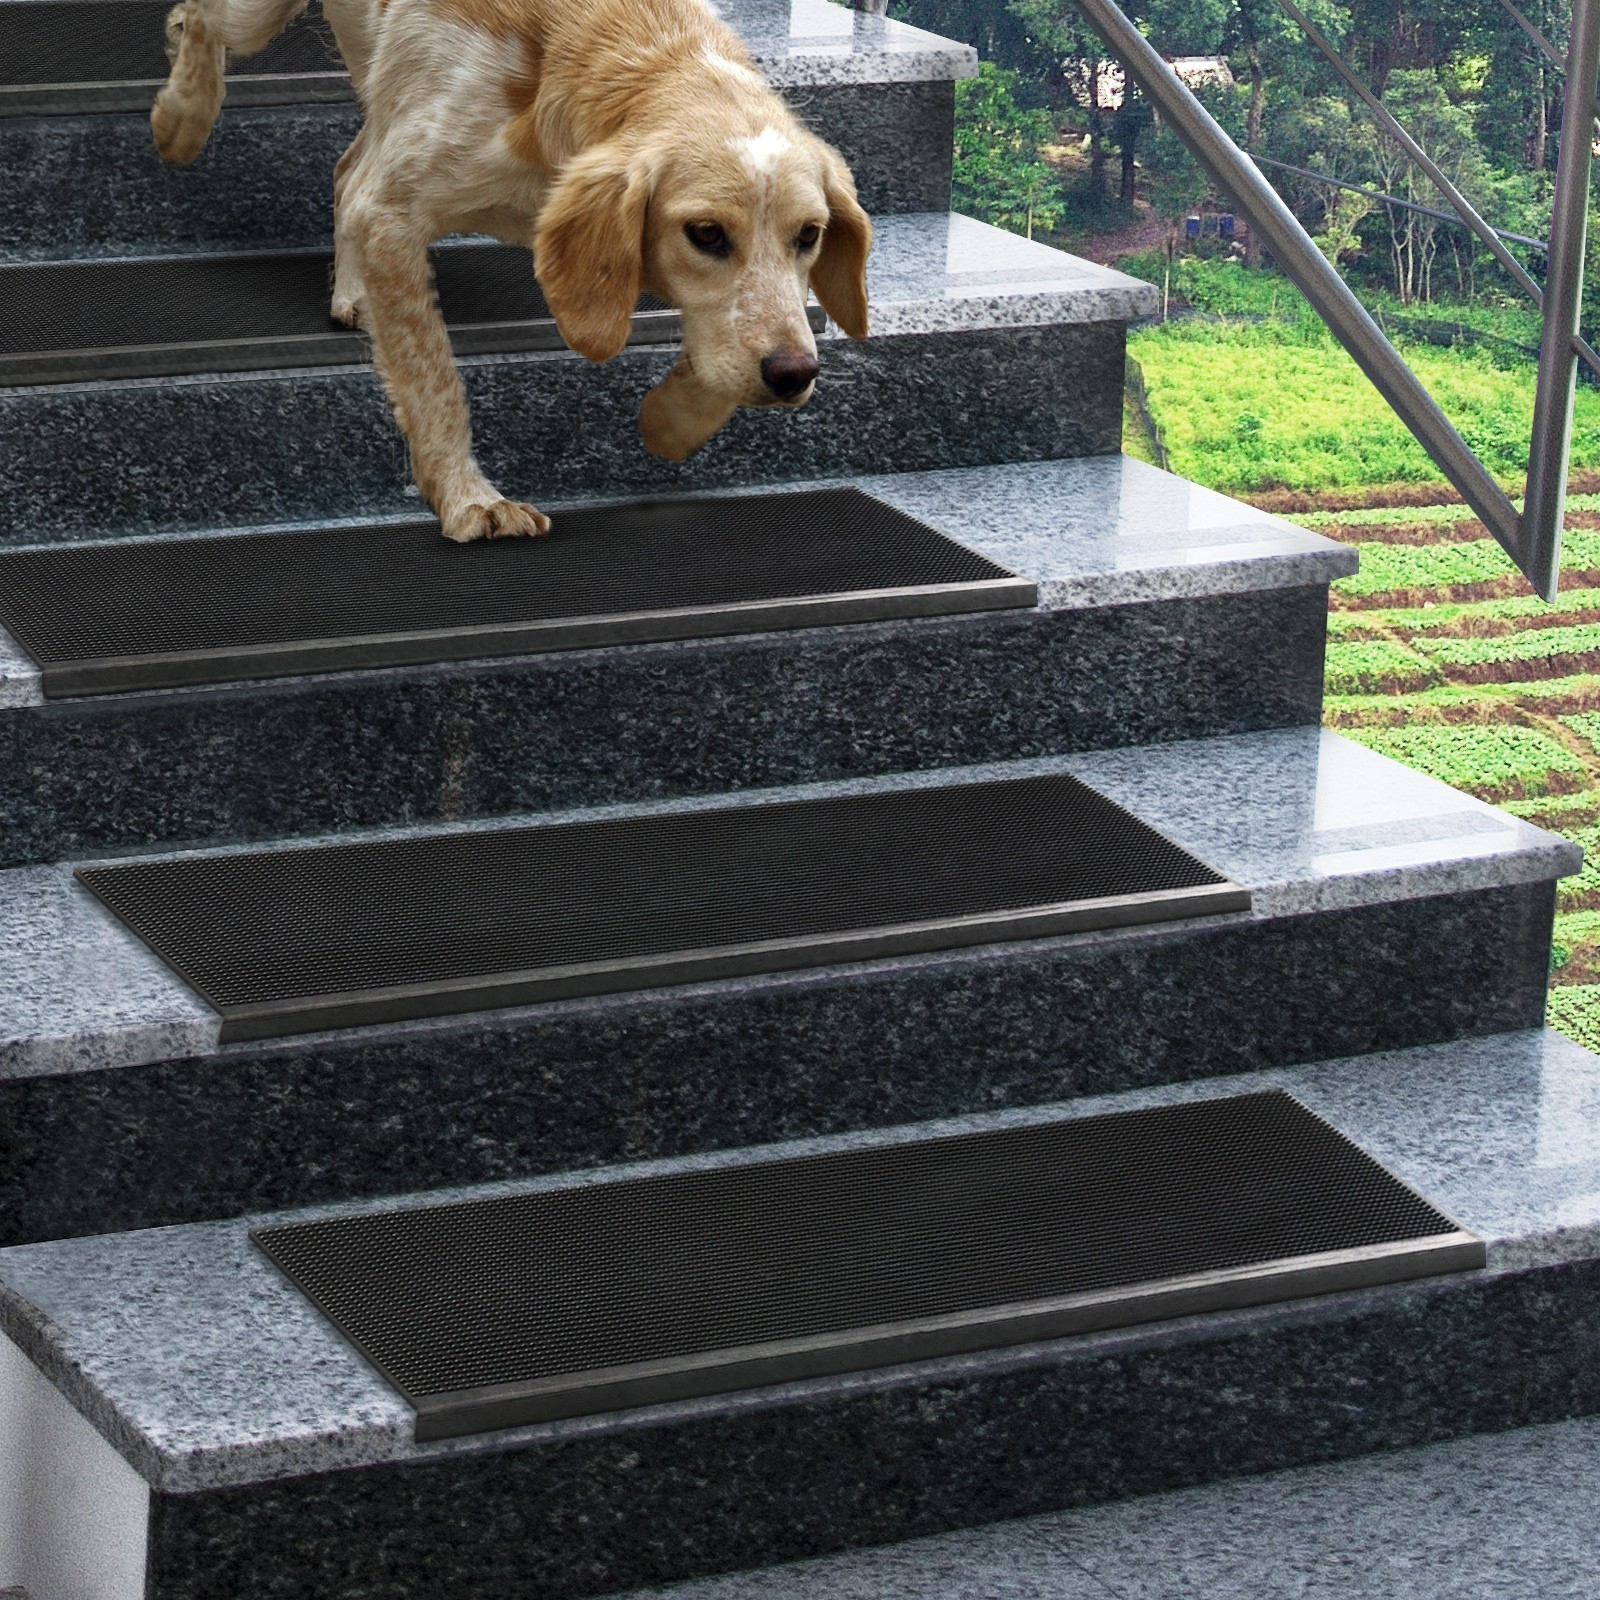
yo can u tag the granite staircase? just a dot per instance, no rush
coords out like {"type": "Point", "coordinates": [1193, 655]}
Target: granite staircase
{"type": "Point", "coordinates": [177, 1423]}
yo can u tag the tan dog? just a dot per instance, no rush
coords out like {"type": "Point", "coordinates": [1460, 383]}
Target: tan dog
{"type": "Point", "coordinates": [631, 143]}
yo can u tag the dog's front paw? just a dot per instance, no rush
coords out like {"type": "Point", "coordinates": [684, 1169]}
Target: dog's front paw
{"type": "Point", "coordinates": [499, 519]}
{"type": "Point", "coordinates": [180, 134]}
{"type": "Point", "coordinates": [678, 416]}
{"type": "Point", "coordinates": [349, 308]}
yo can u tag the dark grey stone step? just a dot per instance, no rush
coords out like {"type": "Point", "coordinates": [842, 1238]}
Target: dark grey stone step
{"type": "Point", "coordinates": [1166, 612]}
{"type": "Point", "coordinates": [88, 185]}
{"type": "Point", "coordinates": [168, 316]}
{"type": "Point", "coordinates": [93, 186]}
{"type": "Point", "coordinates": [1496, 1514]}
{"type": "Point", "coordinates": [1361, 874]}
{"type": "Point", "coordinates": [973, 330]}
{"type": "Point", "coordinates": [273, 1461]}
{"type": "Point", "coordinates": [106, 55]}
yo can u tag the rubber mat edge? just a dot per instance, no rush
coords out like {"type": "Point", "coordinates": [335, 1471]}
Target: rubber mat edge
{"type": "Point", "coordinates": [297, 658]}
{"type": "Point", "coordinates": [275, 353]}
{"type": "Point", "coordinates": [103, 95]}
{"type": "Point", "coordinates": [732, 1370]}
{"type": "Point", "coordinates": [497, 991]}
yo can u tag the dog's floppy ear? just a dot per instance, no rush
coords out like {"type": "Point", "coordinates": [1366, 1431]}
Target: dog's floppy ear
{"type": "Point", "coordinates": [840, 274]}
{"type": "Point", "coordinates": [588, 248]}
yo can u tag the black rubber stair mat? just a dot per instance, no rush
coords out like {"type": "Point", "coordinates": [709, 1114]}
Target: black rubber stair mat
{"type": "Point", "coordinates": [162, 613]}
{"type": "Point", "coordinates": [564, 1301]}
{"type": "Point", "coordinates": [164, 316]}
{"type": "Point", "coordinates": [291, 940]}
{"type": "Point", "coordinates": [60, 56]}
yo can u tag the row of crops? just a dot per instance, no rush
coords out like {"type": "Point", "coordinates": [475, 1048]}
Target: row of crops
{"type": "Point", "coordinates": [1439, 657]}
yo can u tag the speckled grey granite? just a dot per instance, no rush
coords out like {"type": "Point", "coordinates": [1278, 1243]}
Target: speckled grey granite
{"type": "Point", "coordinates": [1503, 1514]}
{"type": "Point", "coordinates": [1307, 820]}
{"type": "Point", "coordinates": [93, 185]}
{"type": "Point", "coordinates": [795, 42]}
{"type": "Point", "coordinates": [161, 771]}
{"type": "Point", "coordinates": [1016, 1560]}
{"type": "Point", "coordinates": [986, 326]}
{"type": "Point", "coordinates": [1090, 531]}
{"type": "Point", "coordinates": [1362, 873]}
{"type": "Point", "coordinates": [19, 678]}
{"type": "Point", "coordinates": [285, 1466]}
{"type": "Point", "coordinates": [1170, 618]}
{"type": "Point", "coordinates": [79, 989]}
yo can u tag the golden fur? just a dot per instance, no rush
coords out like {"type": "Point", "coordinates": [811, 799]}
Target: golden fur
{"type": "Point", "coordinates": [609, 136]}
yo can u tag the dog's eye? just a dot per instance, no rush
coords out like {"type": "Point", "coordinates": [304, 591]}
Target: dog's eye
{"type": "Point", "coordinates": [708, 236]}
{"type": "Point", "coordinates": [807, 236]}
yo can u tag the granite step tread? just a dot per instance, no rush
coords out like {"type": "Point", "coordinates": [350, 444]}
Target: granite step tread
{"type": "Point", "coordinates": [1498, 1514]}
{"type": "Point", "coordinates": [67, 56]}
{"type": "Point", "coordinates": [83, 321]}
{"type": "Point", "coordinates": [206, 1370]}
{"type": "Point", "coordinates": [1089, 532]}
{"type": "Point", "coordinates": [971, 328]}
{"type": "Point", "coordinates": [1307, 821]}
{"type": "Point", "coordinates": [929, 272]}
{"type": "Point", "coordinates": [90, 187]}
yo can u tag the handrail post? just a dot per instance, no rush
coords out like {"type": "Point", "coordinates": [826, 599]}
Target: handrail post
{"type": "Point", "coordinates": [1550, 448]}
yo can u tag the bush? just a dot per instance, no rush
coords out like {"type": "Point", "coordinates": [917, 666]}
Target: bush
{"type": "Point", "coordinates": [1506, 657]}
{"type": "Point", "coordinates": [1370, 666]}
{"type": "Point", "coordinates": [1575, 1011]}
{"type": "Point", "coordinates": [1000, 176]}
{"type": "Point", "coordinates": [1322, 426]}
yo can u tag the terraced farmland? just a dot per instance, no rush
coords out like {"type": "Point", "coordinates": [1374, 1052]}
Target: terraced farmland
{"type": "Point", "coordinates": [1439, 657]}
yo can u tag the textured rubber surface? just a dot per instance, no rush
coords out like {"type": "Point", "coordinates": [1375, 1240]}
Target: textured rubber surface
{"type": "Point", "coordinates": [524, 1307]}
{"type": "Point", "coordinates": [74, 321]}
{"type": "Point", "coordinates": [288, 940]}
{"type": "Point", "coordinates": [71, 42]}
{"type": "Point", "coordinates": [141, 614]}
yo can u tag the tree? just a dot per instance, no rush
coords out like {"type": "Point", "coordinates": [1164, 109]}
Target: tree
{"type": "Point", "coordinates": [1445, 132]}
{"type": "Point", "coordinates": [999, 174]}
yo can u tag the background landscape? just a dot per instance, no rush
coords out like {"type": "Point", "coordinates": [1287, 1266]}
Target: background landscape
{"type": "Point", "coordinates": [1438, 654]}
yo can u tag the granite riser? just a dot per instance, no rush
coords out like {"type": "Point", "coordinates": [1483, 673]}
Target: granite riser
{"type": "Point", "coordinates": [179, 454]}
{"type": "Point", "coordinates": [94, 185]}
{"type": "Point", "coordinates": [377, 1112]}
{"type": "Point", "coordinates": [87, 777]}
{"type": "Point", "coordinates": [965, 1443]}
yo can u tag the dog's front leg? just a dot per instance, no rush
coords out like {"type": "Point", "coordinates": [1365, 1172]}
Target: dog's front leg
{"type": "Point", "coordinates": [411, 348]}
{"type": "Point", "coordinates": [680, 414]}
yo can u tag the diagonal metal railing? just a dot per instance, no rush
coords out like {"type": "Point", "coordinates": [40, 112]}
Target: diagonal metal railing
{"type": "Point", "coordinates": [1532, 537]}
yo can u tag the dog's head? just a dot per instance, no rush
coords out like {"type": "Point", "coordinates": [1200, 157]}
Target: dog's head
{"type": "Point", "coordinates": [731, 229]}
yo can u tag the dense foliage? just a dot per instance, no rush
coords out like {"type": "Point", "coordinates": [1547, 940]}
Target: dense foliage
{"type": "Point", "coordinates": [1464, 79]}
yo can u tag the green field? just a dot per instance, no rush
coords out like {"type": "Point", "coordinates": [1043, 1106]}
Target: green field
{"type": "Point", "coordinates": [1437, 654]}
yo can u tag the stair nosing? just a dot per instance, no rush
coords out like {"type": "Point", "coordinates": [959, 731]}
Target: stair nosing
{"type": "Point", "coordinates": [1461, 846]}
{"type": "Point", "coordinates": [1256, 553]}
{"type": "Point", "coordinates": [1366, 1097]}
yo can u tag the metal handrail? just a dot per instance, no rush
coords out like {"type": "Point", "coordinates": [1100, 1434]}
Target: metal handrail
{"type": "Point", "coordinates": [1532, 538]}
{"type": "Point", "coordinates": [1546, 49]}
{"type": "Point", "coordinates": [1435, 174]}
{"type": "Point", "coordinates": [1541, 245]}
{"type": "Point", "coordinates": [1550, 449]}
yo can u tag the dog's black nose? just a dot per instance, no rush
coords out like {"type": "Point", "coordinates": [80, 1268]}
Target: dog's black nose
{"type": "Point", "coordinates": [789, 373]}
